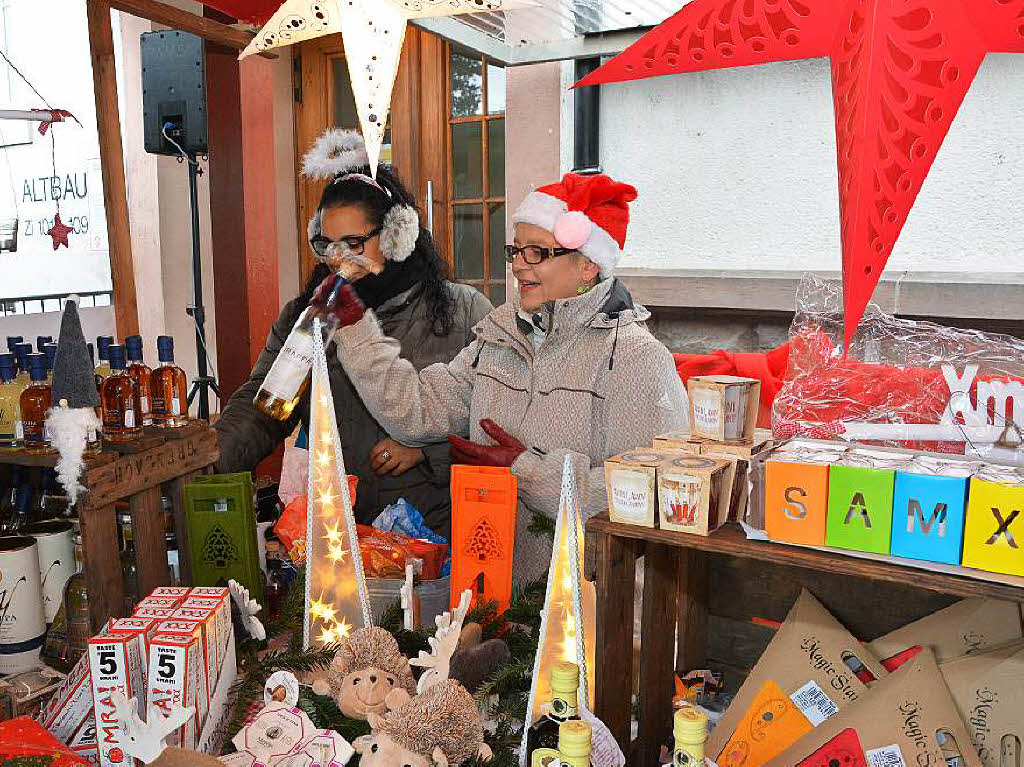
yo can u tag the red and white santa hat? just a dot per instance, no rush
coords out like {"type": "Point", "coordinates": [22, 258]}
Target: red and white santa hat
{"type": "Point", "coordinates": [585, 213]}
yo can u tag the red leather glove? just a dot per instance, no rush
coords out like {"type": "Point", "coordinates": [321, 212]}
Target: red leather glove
{"type": "Point", "coordinates": [344, 305]}
{"type": "Point", "coordinates": [504, 453]}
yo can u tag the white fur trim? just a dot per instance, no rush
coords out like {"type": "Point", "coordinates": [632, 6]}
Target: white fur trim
{"type": "Point", "coordinates": [544, 210]}
{"type": "Point", "coordinates": [336, 151]}
{"type": "Point", "coordinates": [401, 230]}
{"type": "Point", "coordinates": [69, 432]}
{"type": "Point", "coordinates": [541, 210]}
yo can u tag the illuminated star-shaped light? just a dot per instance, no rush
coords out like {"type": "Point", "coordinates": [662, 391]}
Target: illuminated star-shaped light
{"type": "Point", "coordinates": [336, 553]}
{"type": "Point", "coordinates": [59, 232]}
{"type": "Point", "coordinates": [900, 71]}
{"type": "Point", "coordinates": [373, 31]}
{"type": "Point", "coordinates": [333, 534]}
{"type": "Point", "coordinates": [323, 457]}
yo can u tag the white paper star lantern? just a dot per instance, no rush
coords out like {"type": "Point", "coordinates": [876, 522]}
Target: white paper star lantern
{"type": "Point", "coordinates": [373, 32]}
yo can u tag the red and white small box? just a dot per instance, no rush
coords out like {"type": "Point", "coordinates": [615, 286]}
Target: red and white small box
{"type": "Point", "coordinates": [151, 601]}
{"type": "Point", "coordinates": [133, 625]}
{"type": "Point", "coordinates": [71, 706]}
{"type": "Point", "coordinates": [187, 629]}
{"type": "Point", "coordinates": [177, 678]}
{"type": "Point", "coordinates": [159, 613]}
{"type": "Point", "coordinates": [208, 615]}
{"type": "Point", "coordinates": [179, 592]}
{"type": "Point", "coordinates": [222, 606]}
{"type": "Point", "coordinates": [116, 664]}
{"type": "Point", "coordinates": [209, 591]}
{"type": "Point", "coordinates": [83, 742]}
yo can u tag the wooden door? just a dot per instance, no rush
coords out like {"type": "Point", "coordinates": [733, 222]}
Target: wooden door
{"type": "Point", "coordinates": [323, 99]}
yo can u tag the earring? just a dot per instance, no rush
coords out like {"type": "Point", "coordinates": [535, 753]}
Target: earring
{"type": "Point", "coordinates": [583, 290]}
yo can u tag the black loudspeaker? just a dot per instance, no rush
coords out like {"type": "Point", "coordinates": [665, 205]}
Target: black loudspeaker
{"type": "Point", "coordinates": [174, 92]}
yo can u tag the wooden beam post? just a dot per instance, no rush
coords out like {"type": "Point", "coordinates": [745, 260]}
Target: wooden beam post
{"type": "Point", "coordinates": [115, 198]}
{"type": "Point", "coordinates": [168, 15]}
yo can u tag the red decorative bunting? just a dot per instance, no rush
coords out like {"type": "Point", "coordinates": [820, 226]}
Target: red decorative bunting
{"type": "Point", "coordinates": [900, 70]}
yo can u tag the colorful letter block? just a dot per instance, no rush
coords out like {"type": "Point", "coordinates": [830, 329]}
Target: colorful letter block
{"type": "Point", "coordinates": [860, 508]}
{"type": "Point", "coordinates": [928, 517]}
{"type": "Point", "coordinates": [995, 528]}
{"type": "Point", "coordinates": [795, 502]}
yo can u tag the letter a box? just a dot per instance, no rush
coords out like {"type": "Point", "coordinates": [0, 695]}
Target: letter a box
{"type": "Point", "coordinates": [860, 508]}
{"type": "Point", "coordinates": [994, 535]}
{"type": "Point", "coordinates": [928, 517]}
{"type": "Point", "coordinates": [795, 501]}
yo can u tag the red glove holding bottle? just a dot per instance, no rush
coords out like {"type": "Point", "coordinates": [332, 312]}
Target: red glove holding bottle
{"type": "Point", "coordinates": [336, 298]}
{"type": "Point", "coordinates": [504, 453]}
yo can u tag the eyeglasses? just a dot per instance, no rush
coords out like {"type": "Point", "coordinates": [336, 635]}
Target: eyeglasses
{"type": "Point", "coordinates": [534, 254]}
{"type": "Point", "coordinates": [354, 245]}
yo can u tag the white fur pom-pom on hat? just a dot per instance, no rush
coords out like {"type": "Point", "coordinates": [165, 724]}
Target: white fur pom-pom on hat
{"type": "Point", "coordinates": [400, 233]}
{"type": "Point", "coordinates": [336, 151]}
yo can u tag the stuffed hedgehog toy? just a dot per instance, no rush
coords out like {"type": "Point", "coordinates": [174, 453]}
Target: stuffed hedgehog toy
{"type": "Point", "coordinates": [439, 728]}
{"type": "Point", "coordinates": [367, 668]}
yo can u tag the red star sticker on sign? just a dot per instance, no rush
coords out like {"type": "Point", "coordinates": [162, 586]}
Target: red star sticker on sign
{"type": "Point", "coordinates": [59, 232]}
{"type": "Point", "coordinates": [900, 70]}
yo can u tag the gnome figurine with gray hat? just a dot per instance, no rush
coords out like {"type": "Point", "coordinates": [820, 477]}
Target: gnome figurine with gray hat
{"type": "Point", "coordinates": [72, 421]}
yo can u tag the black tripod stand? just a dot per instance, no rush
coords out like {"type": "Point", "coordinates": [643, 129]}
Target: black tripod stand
{"type": "Point", "coordinates": [203, 382]}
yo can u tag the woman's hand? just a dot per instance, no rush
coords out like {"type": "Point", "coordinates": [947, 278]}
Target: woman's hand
{"type": "Point", "coordinates": [390, 457]}
{"type": "Point", "coordinates": [504, 453]}
{"type": "Point", "coordinates": [346, 306]}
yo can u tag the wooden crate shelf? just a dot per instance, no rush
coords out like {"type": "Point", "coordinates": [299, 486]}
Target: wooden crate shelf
{"type": "Point", "coordinates": [139, 473]}
{"type": "Point", "coordinates": [692, 582]}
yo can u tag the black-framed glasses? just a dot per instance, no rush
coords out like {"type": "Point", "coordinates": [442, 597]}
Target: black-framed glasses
{"type": "Point", "coordinates": [354, 244]}
{"type": "Point", "coordinates": [534, 254]}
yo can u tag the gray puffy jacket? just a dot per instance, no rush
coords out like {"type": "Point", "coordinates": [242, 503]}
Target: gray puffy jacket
{"type": "Point", "coordinates": [247, 436]}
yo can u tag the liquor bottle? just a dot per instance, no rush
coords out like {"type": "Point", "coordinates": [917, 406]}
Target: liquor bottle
{"type": "Point", "coordinates": [10, 404]}
{"type": "Point", "coordinates": [35, 404]}
{"type": "Point", "coordinates": [50, 350]}
{"type": "Point", "coordinates": [289, 376]}
{"type": "Point", "coordinates": [120, 401]}
{"type": "Point", "coordinates": [565, 683]}
{"type": "Point", "coordinates": [574, 743]}
{"type": "Point", "coordinates": [9, 502]}
{"type": "Point", "coordinates": [21, 352]}
{"type": "Point", "coordinates": [690, 728]}
{"type": "Point", "coordinates": [140, 373]}
{"type": "Point", "coordinates": [275, 589]}
{"type": "Point", "coordinates": [42, 341]}
{"type": "Point", "coordinates": [168, 388]}
{"type": "Point", "coordinates": [12, 341]}
{"type": "Point", "coordinates": [76, 608]}
{"type": "Point", "coordinates": [103, 344]}
{"type": "Point", "coordinates": [129, 569]}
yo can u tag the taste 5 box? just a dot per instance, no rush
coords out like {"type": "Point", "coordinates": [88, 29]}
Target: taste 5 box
{"type": "Point", "coordinates": [71, 705]}
{"type": "Point", "coordinates": [133, 625]}
{"type": "Point", "coordinates": [177, 678]}
{"type": "Point", "coordinates": [189, 629]}
{"type": "Point", "coordinates": [222, 607]}
{"type": "Point", "coordinates": [116, 664]}
{"type": "Point", "coordinates": [151, 601]}
{"type": "Point", "coordinates": [170, 591]}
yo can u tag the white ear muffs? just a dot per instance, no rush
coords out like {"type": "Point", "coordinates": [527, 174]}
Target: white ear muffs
{"type": "Point", "coordinates": [398, 238]}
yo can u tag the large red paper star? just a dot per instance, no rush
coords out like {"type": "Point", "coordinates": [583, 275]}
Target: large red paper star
{"type": "Point", "coordinates": [59, 232]}
{"type": "Point", "coordinates": [900, 70]}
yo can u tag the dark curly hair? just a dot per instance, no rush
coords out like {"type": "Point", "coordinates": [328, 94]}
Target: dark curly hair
{"type": "Point", "coordinates": [375, 204]}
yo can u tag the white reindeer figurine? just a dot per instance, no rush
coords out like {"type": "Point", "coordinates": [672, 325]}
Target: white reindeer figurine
{"type": "Point", "coordinates": [145, 740]}
{"type": "Point", "coordinates": [247, 608]}
{"type": "Point", "coordinates": [443, 645]}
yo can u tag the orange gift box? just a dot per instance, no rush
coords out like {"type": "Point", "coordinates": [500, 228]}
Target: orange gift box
{"type": "Point", "coordinates": [795, 501]}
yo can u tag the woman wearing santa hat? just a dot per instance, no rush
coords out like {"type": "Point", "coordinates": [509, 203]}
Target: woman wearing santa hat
{"type": "Point", "coordinates": [564, 368]}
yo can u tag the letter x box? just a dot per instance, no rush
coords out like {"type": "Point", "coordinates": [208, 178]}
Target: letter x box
{"type": "Point", "coordinates": [994, 535]}
{"type": "Point", "coordinates": [860, 508]}
{"type": "Point", "coordinates": [928, 517]}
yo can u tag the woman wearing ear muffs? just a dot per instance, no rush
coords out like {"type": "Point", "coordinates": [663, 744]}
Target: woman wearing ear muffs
{"type": "Point", "coordinates": [405, 281]}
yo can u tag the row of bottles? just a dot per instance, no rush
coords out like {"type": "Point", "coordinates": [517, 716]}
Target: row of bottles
{"type": "Point", "coordinates": [131, 394]}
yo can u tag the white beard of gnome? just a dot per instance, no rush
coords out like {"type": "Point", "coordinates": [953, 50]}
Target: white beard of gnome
{"type": "Point", "coordinates": [72, 420]}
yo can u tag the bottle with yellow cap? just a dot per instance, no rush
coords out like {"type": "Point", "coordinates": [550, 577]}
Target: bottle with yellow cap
{"type": "Point", "coordinates": [574, 743]}
{"type": "Point", "coordinates": [690, 730]}
{"type": "Point", "coordinates": [565, 683]}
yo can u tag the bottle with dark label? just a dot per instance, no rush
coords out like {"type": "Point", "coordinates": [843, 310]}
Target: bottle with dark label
{"type": "Point", "coordinates": [140, 373]}
{"type": "Point", "coordinates": [565, 683]}
{"type": "Point", "coordinates": [120, 401]}
{"type": "Point", "coordinates": [169, 388]}
{"type": "Point", "coordinates": [35, 404]}
{"type": "Point", "coordinates": [10, 404]}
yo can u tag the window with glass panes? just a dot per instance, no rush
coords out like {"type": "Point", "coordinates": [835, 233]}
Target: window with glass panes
{"type": "Point", "coordinates": [476, 172]}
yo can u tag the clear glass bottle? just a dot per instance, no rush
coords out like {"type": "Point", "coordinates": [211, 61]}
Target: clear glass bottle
{"type": "Point", "coordinates": [169, 388]}
{"type": "Point", "coordinates": [543, 735]}
{"type": "Point", "coordinates": [103, 344]}
{"type": "Point", "coordinates": [129, 568]}
{"type": "Point", "coordinates": [140, 373]}
{"type": "Point", "coordinates": [120, 401]}
{"type": "Point", "coordinates": [690, 729]}
{"type": "Point", "coordinates": [76, 608]}
{"type": "Point", "coordinates": [10, 404]}
{"type": "Point", "coordinates": [35, 404]}
{"type": "Point", "coordinates": [21, 353]}
{"type": "Point", "coordinates": [289, 376]}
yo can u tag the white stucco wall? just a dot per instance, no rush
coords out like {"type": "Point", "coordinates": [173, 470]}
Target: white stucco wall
{"type": "Point", "coordinates": [736, 170]}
